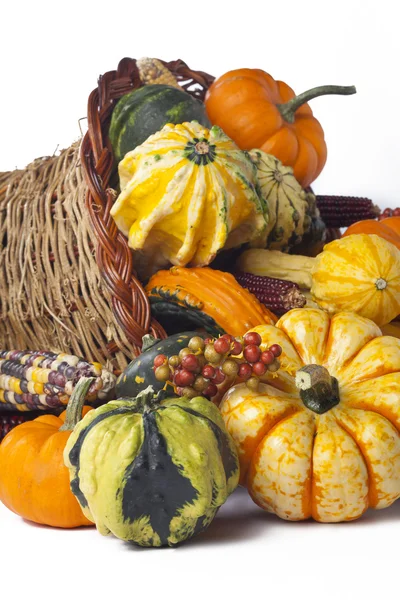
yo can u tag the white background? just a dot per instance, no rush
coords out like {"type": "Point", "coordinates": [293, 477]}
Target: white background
{"type": "Point", "coordinates": [51, 55]}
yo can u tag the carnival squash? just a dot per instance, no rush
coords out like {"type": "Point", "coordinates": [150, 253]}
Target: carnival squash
{"type": "Point", "coordinates": [34, 482]}
{"type": "Point", "coordinates": [288, 218]}
{"type": "Point", "coordinates": [186, 193]}
{"type": "Point", "coordinates": [145, 111]}
{"type": "Point", "coordinates": [388, 229]}
{"type": "Point", "coordinates": [360, 273]}
{"type": "Point", "coordinates": [206, 298]}
{"type": "Point", "coordinates": [164, 469]}
{"type": "Point", "coordinates": [258, 112]}
{"type": "Point", "coordinates": [321, 439]}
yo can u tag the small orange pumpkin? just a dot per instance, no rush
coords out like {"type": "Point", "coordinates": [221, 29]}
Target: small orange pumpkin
{"type": "Point", "coordinates": [34, 482]}
{"type": "Point", "coordinates": [388, 229]}
{"type": "Point", "coordinates": [258, 112]}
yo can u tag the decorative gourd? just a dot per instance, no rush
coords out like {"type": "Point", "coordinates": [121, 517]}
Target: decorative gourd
{"type": "Point", "coordinates": [272, 263]}
{"type": "Point", "coordinates": [206, 298]}
{"type": "Point", "coordinates": [286, 201]}
{"type": "Point", "coordinates": [163, 474]}
{"type": "Point", "coordinates": [321, 439]}
{"type": "Point", "coordinates": [139, 374]}
{"type": "Point", "coordinates": [34, 482]}
{"type": "Point", "coordinates": [385, 229]}
{"type": "Point", "coordinates": [360, 273]}
{"type": "Point", "coordinates": [258, 112]}
{"type": "Point", "coordinates": [144, 111]}
{"type": "Point", "coordinates": [186, 193]}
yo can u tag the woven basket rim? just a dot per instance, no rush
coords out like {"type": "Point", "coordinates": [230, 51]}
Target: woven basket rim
{"type": "Point", "coordinates": [130, 305]}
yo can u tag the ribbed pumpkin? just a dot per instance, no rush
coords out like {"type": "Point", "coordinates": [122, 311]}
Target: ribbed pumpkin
{"type": "Point", "coordinates": [286, 201]}
{"type": "Point", "coordinates": [34, 482]}
{"type": "Point", "coordinates": [360, 273]}
{"type": "Point", "coordinates": [258, 111]}
{"type": "Point", "coordinates": [186, 193]}
{"type": "Point", "coordinates": [164, 469]}
{"type": "Point", "coordinates": [322, 438]}
{"type": "Point", "coordinates": [206, 298]}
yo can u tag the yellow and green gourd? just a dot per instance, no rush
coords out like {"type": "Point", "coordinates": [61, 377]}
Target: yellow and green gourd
{"type": "Point", "coordinates": [153, 474]}
{"type": "Point", "coordinates": [287, 203]}
{"type": "Point", "coordinates": [186, 193]}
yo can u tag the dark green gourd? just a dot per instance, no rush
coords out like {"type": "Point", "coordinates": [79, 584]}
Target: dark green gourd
{"type": "Point", "coordinates": [165, 469]}
{"type": "Point", "coordinates": [142, 112]}
{"type": "Point", "coordinates": [139, 374]}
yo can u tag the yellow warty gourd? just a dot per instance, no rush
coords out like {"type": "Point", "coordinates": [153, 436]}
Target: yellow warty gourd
{"type": "Point", "coordinates": [186, 193]}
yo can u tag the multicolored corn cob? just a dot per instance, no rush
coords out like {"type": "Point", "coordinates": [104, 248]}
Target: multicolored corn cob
{"type": "Point", "coordinates": [152, 71]}
{"type": "Point", "coordinates": [278, 295]}
{"type": "Point", "coordinates": [343, 211]}
{"type": "Point", "coordinates": [39, 380]}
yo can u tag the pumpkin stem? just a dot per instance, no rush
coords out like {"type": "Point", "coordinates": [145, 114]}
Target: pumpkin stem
{"type": "Point", "coordinates": [145, 401]}
{"type": "Point", "coordinates": [318, 390]}
{"type": "Point", "coordinates": [289, 108]}
{"type": "Point", "coordinates": [76, 402]}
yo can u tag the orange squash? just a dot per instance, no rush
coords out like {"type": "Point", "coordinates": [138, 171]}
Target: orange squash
{"type": "Point", "coordinates": [207, 298]}
{"type": "Point", "coordinates": [34, 482]}
{"type": "Point", "coordinates": [388, 229]}
{"type": "Point", "coordinates": [257, 111]}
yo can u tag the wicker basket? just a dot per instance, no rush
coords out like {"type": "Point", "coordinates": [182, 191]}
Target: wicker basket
{"type": "Point", "coordinates": [68, 272]}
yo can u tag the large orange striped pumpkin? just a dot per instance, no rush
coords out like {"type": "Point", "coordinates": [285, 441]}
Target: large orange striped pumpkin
{"type": "Point", "coordinates": [321, 439]}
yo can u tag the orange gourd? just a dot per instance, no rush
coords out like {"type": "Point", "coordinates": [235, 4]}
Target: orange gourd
{"type": "Point", "coordinates": [257, 111]}
{"type": "Point", "coordinates": [207, 298]}
{"type": "Point", "coordinates": [388, 229]}
{"type": "Point", "coordinates": [34, 482]}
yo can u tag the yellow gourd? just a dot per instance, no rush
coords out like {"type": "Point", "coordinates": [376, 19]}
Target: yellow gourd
{"type": "Point", "coordinates": [186, 193]}
{"type": "Point", "coordinates": [359, 273]}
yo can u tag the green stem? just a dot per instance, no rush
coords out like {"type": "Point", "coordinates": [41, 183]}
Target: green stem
{"type": "Point", "coordinates": [288, 109]}
{"type": "Point", "coordinates": [76, 402]}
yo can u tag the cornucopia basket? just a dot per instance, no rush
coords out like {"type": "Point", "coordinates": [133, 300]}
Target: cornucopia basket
{"type": "Point", "coordinates": [67, 274]}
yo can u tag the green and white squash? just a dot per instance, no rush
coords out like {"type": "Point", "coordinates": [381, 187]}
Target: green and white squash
{"type": "Point", "coordinates": [286, 203]}
{"type": "Point", "coordinates": [186, 193]}
{"type": "Point", "coordinates": [164, 470]}
{"type": "Point", "coordinates": [141, 113]}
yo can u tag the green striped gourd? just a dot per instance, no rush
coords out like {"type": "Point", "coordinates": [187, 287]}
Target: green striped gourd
{"type": "Point", "coordinates": [164, 471]}
{"type": "Point", "coordinates": [286, 202]}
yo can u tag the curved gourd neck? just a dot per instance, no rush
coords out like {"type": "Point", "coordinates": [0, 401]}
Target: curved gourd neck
{"type": "Point", "coordinates": [318, 390]}
{"type": "Point", "coordinates": [288, 109]}
{"type": "Point", "coordinates": [76, 402]}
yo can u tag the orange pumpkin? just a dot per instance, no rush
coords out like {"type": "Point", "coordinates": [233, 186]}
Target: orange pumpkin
{"type": "Point", "coordinates": [258, 112]}
{"type": "Point", "coordinates": [388, 229]}
{"type": "Point", "coordinates": [34, 482]}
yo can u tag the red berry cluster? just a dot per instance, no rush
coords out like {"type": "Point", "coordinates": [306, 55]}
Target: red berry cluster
{"type": "Point", "coordinates": [389, 212]}
{"type": "Point", "coordinates": [206, 363]}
